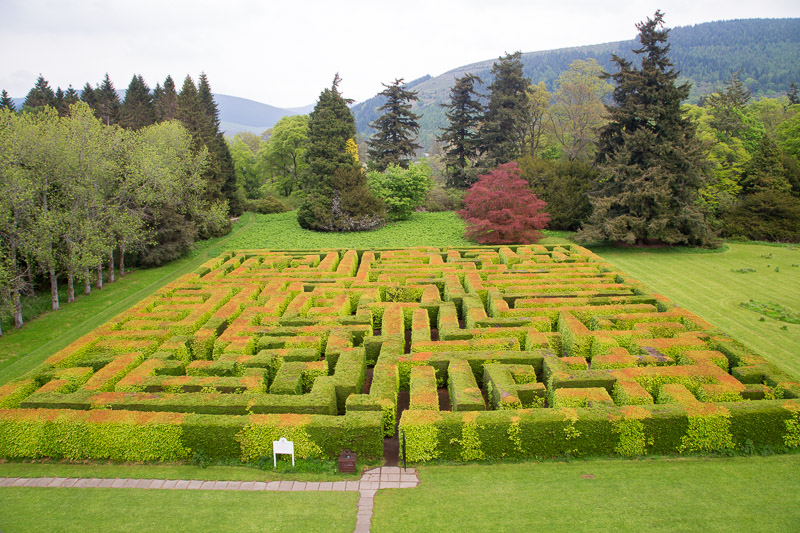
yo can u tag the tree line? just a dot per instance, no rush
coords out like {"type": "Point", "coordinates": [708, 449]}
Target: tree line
{"type": "Point", "coordinates": [90, 183]}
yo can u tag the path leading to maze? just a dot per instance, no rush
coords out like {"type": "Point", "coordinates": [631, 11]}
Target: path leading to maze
{"type": "Point", "coordinates": [386, 477]}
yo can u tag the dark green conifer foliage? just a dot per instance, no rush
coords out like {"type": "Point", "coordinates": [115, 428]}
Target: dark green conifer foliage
{"type": "Point", "coordinates": [59, 103]}
{"type": "Point", "coordinates": [727, 107]}
{"type": "Point", "coordinates": [394, 142]}
{"type": "Point", "coordinates": [652, 165]}
{"type": "Point", "coordinates": [106, 102]}
{"type": "Point", "coordinates": [6, 102]}
{"type": "Point", "coordinates": [166, 100]}
{"type": "Point", "coordinates": [461, 136]}
{"type": "Point", "coordinates": [330, 125]}
{"type": "Point", "coordinates": [337, 197]}
{"type": "Point", "coordinates": [71, 96]}
{"type": "Point", "coordinates": [137, 109]}
{"type": "Point", "coordinates": [88, 95]}
{"type": "Point", "coordinates": [793, 94]}
{"type": "Point", "coordinates": [508, 104]}
{"type": "Point", "coordinates": [41, 95]}
{"type": "Point", "coordinates": [765, 170]}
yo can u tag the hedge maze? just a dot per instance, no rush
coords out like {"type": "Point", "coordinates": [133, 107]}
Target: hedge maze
{"type": "Point", "coordinates": [526, 351]}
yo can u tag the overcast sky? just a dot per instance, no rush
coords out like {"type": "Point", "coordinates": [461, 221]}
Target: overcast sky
{"type": "Point", "coordinates": [284, 53]}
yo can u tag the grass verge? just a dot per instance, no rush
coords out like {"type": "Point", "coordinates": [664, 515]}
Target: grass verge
{"type": "Point", "coordinates": [32, 510]}
{"type": "Point", "coordinates": [662, 494]}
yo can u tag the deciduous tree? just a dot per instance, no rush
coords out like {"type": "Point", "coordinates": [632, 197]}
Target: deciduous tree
{"type": "Point", "coordinates": [500, 208]}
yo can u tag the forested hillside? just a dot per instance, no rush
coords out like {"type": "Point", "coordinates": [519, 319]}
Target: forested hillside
{"type": "Point", "coordinates": [766, 50]}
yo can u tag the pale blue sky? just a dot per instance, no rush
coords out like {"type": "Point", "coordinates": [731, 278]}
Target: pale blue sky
{"type": "Point", "coordinates": [284, 53]}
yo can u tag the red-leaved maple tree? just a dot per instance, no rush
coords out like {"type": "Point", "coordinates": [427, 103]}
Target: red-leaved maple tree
{"type": "Point", "coordinates": [500, 208]}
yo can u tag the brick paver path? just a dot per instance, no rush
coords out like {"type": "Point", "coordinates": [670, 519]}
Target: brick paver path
{"type": "Point", "coordinates": [385, 477]}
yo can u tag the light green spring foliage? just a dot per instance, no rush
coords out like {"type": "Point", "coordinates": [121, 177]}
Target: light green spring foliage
{"type": "Point", "coordinates": [402, 190]}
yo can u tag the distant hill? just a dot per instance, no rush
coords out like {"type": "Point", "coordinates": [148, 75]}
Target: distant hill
{"type": "Point", "coordinates": [766, 50]}
{"type": "Point", "coordinates": [240, 114]}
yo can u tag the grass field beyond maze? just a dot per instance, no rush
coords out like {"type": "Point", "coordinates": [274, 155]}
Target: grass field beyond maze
{"type": "Point", "coordinates": [523, 351]}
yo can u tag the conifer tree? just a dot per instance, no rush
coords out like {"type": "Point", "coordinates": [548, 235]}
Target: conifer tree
{"type": "Point", "coordinates": [106, 102]}
{"type": "Point", "coordinates": [793, 94]}
{"type": "Point", "coordinates": [394, 142]}
{"type": "Point", "coordinates": [330, 125]}
{"type": "Point", "coordinates": [88, 95]}
{"type": "Point", "coordinates": [502, 132]}
{"type": "Point", "coordinates": [652, 166]}
{"type": "Point", "coordinates": [71, 96]}
{"type": "Point", "coordinates": [165, 100]}
{"type": "Point", "coordinates": [461, 136]}
{"type": "Point", "coordinates": [59, 103]}
{"type": "Point", "coordinates": [41, 94]}
{"type": "Point", "coordinates": [337, 197]}
{"type": "Point", "coordinates": [137, 109]}
{"type": "Point", "coordinates": [6, 102]}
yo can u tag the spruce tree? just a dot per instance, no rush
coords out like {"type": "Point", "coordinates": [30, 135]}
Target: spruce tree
{"type": "Point", "coordinates": [59, 103]}
{"type": "Point", "coordinates": [502, 138]}
{"type": "Point", "coordinates": [71, 96]}
{"type": "Point", "coordinates": [652, 165]}
{"type": "Point", "coordinates": [461, 136]}
{"type": "Point", "coordinates": [6, 102]}
{"type": "Point", "coordinates": [793, 94]}
{"type": "Point", "coordinates": [106, 102]}
{"type": "Point", "coordinates": [394, 142]}
{"type": "Point", "coordinates": [166, 100]}
{"type": "Point", "coordinates": [137, 109]}
{"type": "Point", "coordinates": [41, 95]}
{"type": "Point", "coordinates": [88, 95]}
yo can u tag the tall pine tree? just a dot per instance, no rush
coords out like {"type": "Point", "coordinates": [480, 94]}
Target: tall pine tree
{"type": "Point", "coordinates": [166, 100]}
{"type": "Point", "coordinates": [461, 136]}
{"type": "Point", "coordinates": [137, 109]}
{"type": "Point", "coordinates": [6, 102]}
{"type": "Point", "coordinates": [41, 94]}
{"type": "Point", "coordinates": [106, 102]}
{"type": "Point", "coordinates": [652, 165]}
{"type": "Point", "coordinates": [394, 142]}
{"type": "Point", "coordinates": [502, 132]}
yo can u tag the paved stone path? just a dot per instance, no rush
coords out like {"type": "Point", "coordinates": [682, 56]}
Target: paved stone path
{"type": "Point", "coordinates": [385, 477]}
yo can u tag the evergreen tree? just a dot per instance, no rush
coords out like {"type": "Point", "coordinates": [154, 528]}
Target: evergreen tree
{"type": "Point", "coordinates": [727, 107]}
{"type": "Point", "coordinates": [793, 94]}
{"type": "Point", "coordinates": [6, 102]}
{"type": "Point", "coordinates": [71, 96]}
{"type": "Point", "coordinates": [59, 103]}
{"type": "Point", "coordinates": [337, 196]}
{"type": "Point", "coordinates": [652, 164]}
{"type": "Point", "coordinates": [765, 171]}
{"type": "Point", "coordinates": [330, 125]}
{"type": "Point", "coordinates": [106, 102]}
{"type": "Point", "coordinates": [461, 136]}
{"type": "Point", "coordinates": [504, 125]}
{"type": "Point", "coordinates": [41, 94]}
{"type": "Point", "coordinates": [137, 109]}
{"type": "Point", "coordinates": [394, 142]}
{"type": "Point", "coordinates": [166, 100]}
{"type": "Point", "coordinates": [88, 95]}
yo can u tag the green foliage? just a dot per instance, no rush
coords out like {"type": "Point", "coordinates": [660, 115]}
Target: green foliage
{"type": "Point", "coordinates": [764, 216]}
{"type": "Point", "coordinates": [708, 433]}
{"type": "Point", "coordinates": [402, 190]}
{"type": "Point", "coordinates": [652, 167]}
{"type": "Point", "coordinates": [266, 206]}
{"type": "Point", "coordinates": [461, 135]}
{"type": "Point", "coordinates": [348, 205]}
{"type": "Point", "coordinates": [394, 141]}
{"type": "Point", "coordinates": [564, 186]}
{"type": "Point", "coordinates": [632, 441]}
{"type": "Point", "coordinates": [773, 310]}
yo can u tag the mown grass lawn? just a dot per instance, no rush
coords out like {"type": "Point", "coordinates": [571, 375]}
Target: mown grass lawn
{"type": "Point", "coordinates": [30, 510]}
{"type": "Point", "coordinates": [713, 285]}
{"type": "Point", "coordinates": [661, 494]}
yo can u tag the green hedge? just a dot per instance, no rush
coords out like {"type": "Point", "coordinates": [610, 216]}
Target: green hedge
{"type": "Point", "coordinates": [605, 430]}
